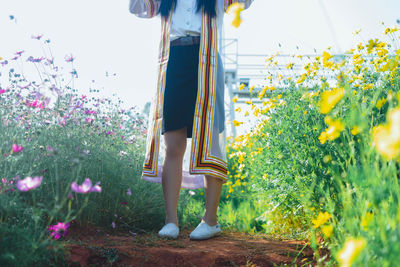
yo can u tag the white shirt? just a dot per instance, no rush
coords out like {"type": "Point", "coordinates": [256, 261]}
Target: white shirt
{"type": "Point", "coordinates": [185, 19]}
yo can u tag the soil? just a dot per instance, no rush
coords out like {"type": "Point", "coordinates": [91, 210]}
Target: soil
{"type": "Point", "coordinates": [92, 247]}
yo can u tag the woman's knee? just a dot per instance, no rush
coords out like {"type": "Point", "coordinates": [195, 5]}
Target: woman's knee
{"type": "Point", "coordinates": [175, 142]}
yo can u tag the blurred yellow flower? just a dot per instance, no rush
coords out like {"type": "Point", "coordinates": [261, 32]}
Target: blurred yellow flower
{"type": "Point", "coordinates": [235, 99]}
{"type": "Point", "coordinates": [326, 60]}
{"type": "Point", "coordinates": [279, 132]}
{"type": "Point", "coordinates": [368, 86]}
{"type": "Point", "coordinates": [321, 219]}
{"type": "Point", "coordinates": [251, 89]}
{"type": "Point", "coordinates": [235, 9]}
{"type": "Point", "coordinates": [334, 130]}
{"type": "Point", "coordinates": [380, 103]}
{"type": "Point", "coordinates": [355, 130]}
{"type": "Point", "coordinates": [357, 59]}
{"type": "Point", "coordinates": [302, 78]}
{"type": "Point", "coordinates": [290, 66]}
{"type": "Point", "coordinates": [305, 112]}
{"type": "Point", "coordinates": [241, 86]}
{"type": "Point", "coordinates": [237, 123]}
{"type": "Point", "coordinates": [323, 137]}
{"type": "Point", "coordinates": [351, 250]}
{"type": "Point", "coordinates": [391, 30]}
{"type": "Point", "coordinates": [329, 99]}
{"type": "Point", "coordinates": [327, 230]}
{"type": "Point", "coordinates": [387, 137]}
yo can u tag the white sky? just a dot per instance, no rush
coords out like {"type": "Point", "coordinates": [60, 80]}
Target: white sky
{"type": "Point", "coordinates": [104, 36]}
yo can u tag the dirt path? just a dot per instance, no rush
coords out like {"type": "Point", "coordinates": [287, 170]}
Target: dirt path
{"type": "Point", "coordinates": [229, 249]}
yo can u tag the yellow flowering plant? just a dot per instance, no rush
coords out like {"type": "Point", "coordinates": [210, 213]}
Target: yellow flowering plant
{"type": "Point", "coordinates": [329, 146]}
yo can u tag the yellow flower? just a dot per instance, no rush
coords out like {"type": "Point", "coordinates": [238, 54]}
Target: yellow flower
{"type": "Point", "coordinates": [327, 230]}
{"type": "Point", "coordinates": [305, 112]}
{"type": "Point", "coordinates": [1, 58]}
{"type": "Point", "coordinates": [242, 86]}
{"type": "Point", "coordinates": [323, 137]}
{"type": "Point", "coordinates": [279, 132]}
{"type": "Point", "coordinates": [351, 250]}
{"type": "Point", "coordinates": [371, 45]}
{"type": "Point", "coordinates": [368, 86]}
{"type": "Point", "coordinates": [334, 130]}
{"type": "Point", "coordinates": [302, 78]}
{"type": "Point", "coordinates": [247, 113]}
{"type": "Point", "coordinates": [357, 59]}
{"type": "Point", "coordinates": [355, 130]}
{"type": "Point", "coordinates": [251, 89]}
{"type": "Point", "coordinates": [389, 30]}
{"type": "Point", "coordinates": [380, 103]}
{"type": "Point", "coordinates": [238, 109]}
{"type": "Point", "coordinates": [249, 102]}
{"type": "Point", "coordinates": [326, 60]}
{"type": "Point", "coordinates": [321, 219]}
{"type": "Point", "coordinates": [235, 10]}
{"type": "Point", "coordinates": [329, 99]}
{"type": "Point", "coordinates": [237, 123]}
{"type": "Point", "coordinates": [290, 66]}
{"type": "Point", "coordinates": [235, 99]}
{"type": "Point", "coordinates": [387, 137]}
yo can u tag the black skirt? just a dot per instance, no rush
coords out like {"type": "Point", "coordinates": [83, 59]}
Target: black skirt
{"type": "Point", "coordinates": [181, 88]}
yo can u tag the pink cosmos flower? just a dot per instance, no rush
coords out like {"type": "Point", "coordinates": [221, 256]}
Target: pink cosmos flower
{"type": "Point", "coordinates": [58, 230]}
{"type": "Point", "coordinates": [29, 183]}
{"type": "Point", "coordinates": [16, 148]}
{"type": "Point", "coordinates": [86, 187]}
{"type": "Point", "coordinates": [88, 120]}
{"type": "Point", "coordinates": [69, 58]}
{"type": "Point", "coordinates": [37, 37]}
{"type": "Point", "coordinates": [2, 91]}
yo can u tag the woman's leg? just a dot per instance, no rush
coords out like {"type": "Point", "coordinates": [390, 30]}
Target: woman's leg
{"type": "Point", "coordinates": [213, 188]}
{"type": "Point", "coordinates": [175, 142]}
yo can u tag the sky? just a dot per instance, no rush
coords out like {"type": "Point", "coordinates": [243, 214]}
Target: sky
{"type": "Point", "coordinates": [105, 38]}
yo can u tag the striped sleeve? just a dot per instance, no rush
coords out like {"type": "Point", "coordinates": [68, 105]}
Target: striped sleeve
{"type": "Point", "coordinates": [144, 8]}
{"type": "Point", "coordinates": [246, 3]}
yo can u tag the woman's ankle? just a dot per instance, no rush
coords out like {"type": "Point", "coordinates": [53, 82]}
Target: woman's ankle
{"type": "Point", "coordinates": [174, 221]}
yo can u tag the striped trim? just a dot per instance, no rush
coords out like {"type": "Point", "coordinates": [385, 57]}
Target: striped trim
{"type": "Point", "coordinates": [153, 144]}
{"type": "Point", "coordinates": [201, 159]}
{"type": "Point", "coordinates": [150, 7]}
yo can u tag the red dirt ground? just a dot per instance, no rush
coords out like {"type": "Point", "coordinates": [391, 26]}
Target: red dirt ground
{"type": "Point", "coordinates": [96, 248]}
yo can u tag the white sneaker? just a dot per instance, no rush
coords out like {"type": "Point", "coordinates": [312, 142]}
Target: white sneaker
{"type": "Point", "coordinates": [204, 231]}
{"type": "Point", "coordinates": [169, 230]}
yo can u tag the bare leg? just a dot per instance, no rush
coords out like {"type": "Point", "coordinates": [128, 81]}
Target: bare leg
{"type": "Point", "coordinates": [213, 188]}
{"type": "Point", "coordinates": [175, 142]}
